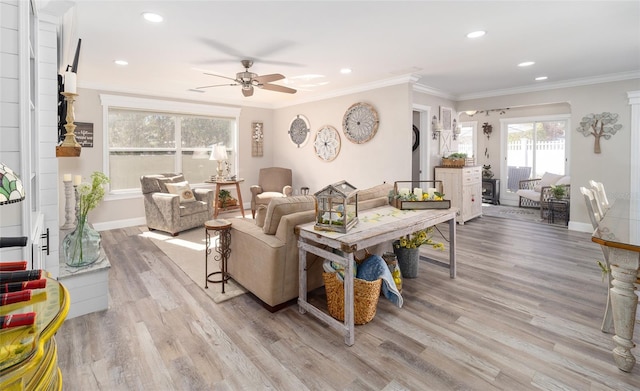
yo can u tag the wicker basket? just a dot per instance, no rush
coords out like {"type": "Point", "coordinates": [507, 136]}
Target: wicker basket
{"type": "Point", "coordinates": [453, 162]}
{"type": "Point", "coordinates": [365, 298]}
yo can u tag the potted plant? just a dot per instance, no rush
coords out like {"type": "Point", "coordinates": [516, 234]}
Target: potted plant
{"type": "Point", "coordinates": [559, 192]}
{"type": "Point", "coordinates": [225, 199]}
{"type": "Point", "coordinates": [456, 159]}
{"type": "Point", "coordinates": [407, 249]}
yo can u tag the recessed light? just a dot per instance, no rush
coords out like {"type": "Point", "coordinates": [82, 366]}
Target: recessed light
{"type": "Point", "coordinates": [121, 62]}
{"type": "Point", "coordinates": [540, 78]}
{"type": "Point", "coordinates": [526, 64]}
{"type": "Point", "coordinates": [151, 17]}
{"type": "Point", "coordinates": [345, 71]}
{"type": "Point", "coordinates": [476, 34]}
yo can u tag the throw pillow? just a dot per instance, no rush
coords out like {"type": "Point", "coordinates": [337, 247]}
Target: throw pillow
{"type": "Point", "coordinates": [183, 190]}
{"type": "Point", "coordinates": [547, 179]}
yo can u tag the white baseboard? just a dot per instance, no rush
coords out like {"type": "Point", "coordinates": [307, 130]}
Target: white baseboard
{"type": "Point", "coordinates": [107, 225]}
{"type": "Point", "coordinates": [581, 227]}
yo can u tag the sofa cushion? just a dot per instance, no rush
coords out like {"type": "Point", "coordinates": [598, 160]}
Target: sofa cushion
{"type": "Point", "coordinates": [261, 214]}
{"type": "Point", "coordinates": [547, 179]}
{"type": "Point", "coordinates": [191, 208]}
{"type": "Point", "coordinates": [183, 190]}
{"type": "Point", "coordinates": [565, 180]}
{"type": "Point", "coordinates": [279, 207]}
{"type": "Point", "coordinates": [529, 194]}
{"type": "Point", "coordinates": [381, 190]}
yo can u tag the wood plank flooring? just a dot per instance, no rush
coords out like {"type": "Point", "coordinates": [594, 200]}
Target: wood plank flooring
{"type": "Point", "coordinates": [524, 313]}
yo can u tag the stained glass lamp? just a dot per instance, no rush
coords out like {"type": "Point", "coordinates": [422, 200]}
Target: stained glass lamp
{"type": "Point", "coordinates": [11, 188]}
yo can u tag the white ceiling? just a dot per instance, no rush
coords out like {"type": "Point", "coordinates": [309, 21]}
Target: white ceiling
{"type": "Point", "coordinates": [572, 42]}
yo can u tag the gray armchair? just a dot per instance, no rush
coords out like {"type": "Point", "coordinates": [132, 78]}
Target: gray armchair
{"type": "Point", "coordinates": [273, 182]}
{"type": "Point", "coordinates": [165, 212]}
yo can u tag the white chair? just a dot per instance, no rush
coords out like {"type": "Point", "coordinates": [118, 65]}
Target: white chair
{"type": "Point", "coordinates": [596, 216]}
{"type": "Point", "coordinates": [600, 196]}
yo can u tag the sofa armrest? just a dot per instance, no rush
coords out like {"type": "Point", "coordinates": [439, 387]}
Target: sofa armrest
{"type": "Point", "coordinates": [168, 206]}
{"type": "Point", "coordinates": [255, 189]}
{"type": "Point", "coordinates": [288, 223]}
{"type": "Point", "coordinates": [528, 184]}
{"type": "Point", "coordinates": [545, 193]}
{"type": "Point", "coordinates": [287, 191]}
{"type": "Point", "coordinates": [206, 195]}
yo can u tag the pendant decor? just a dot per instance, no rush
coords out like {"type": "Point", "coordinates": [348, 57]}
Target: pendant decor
{"type": "Point", "coordinates": [360, 123]}
{"type": "Point", "coordinates": [82, 247]}
{"type": "Point", "coordinates": [327, 143]}
{"type": "Point", "coordinates": [299, 130]}
{"type": "Point", "coordinates": [599, 125]}
{"type": "Point", "coordinates": [257, 139]}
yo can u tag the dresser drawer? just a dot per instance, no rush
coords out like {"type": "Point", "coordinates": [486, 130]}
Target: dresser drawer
{"type": "Point", "coordinates": [471, 175]}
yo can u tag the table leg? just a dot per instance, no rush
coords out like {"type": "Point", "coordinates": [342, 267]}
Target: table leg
{"type": "Point", "coordinates": [215, 201]}
{"type": "Point", "coordinates": [240, 198]}
{"type": "Point", "coordinates": [302, 275]}
{"type": "Point", "coordinates": [452, 247]}
{"type": "Point", "coordinates": [349, 319]}
{"type": "Point", "coordinates": [624, 302]}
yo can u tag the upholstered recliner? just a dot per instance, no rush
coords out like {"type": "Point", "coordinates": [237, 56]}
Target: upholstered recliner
{"type": "Point", "coordinates": [273, 182]}
{"type": "Point", "coordinates": [178, 211]}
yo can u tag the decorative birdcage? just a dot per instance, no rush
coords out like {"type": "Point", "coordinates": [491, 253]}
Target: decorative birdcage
{"type": "Point", "coordinates": [337, 207]}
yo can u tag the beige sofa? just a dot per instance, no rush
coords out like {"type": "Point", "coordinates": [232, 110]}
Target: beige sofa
{"type": "Point", "coordinates": [264, 252]}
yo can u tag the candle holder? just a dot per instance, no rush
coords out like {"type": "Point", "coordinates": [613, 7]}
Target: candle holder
{"type": "Point", "coordinates": [70, 136]}
{"type": "Point", "coordinates": [69, 216]}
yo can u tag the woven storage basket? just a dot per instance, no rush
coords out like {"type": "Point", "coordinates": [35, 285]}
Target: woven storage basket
{"type": "Point", "coordinates": [365, 298]}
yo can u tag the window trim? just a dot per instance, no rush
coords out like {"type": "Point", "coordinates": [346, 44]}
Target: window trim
{"type": "Point", "coordinates": [166, 106]}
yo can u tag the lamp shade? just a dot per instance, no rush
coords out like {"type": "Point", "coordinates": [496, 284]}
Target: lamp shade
{"type": "Point", "coordinates": [218, 152]}
{"type": "Point", "coordinates": [11, 188]}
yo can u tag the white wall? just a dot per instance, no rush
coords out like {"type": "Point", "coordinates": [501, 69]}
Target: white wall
{"type": "Point", "coordinates": [384, 158]}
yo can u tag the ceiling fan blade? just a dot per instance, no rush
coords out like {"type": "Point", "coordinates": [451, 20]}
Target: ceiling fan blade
{"type": "Point", "coordinates": [224, 77]}
{"type": "Point", "coordinates": [275, 87]}
{"type": "Point", "coordinates": [218, 85]}
{"type": "Point", "coordinates": [247, 91]}
{"type": "Point", "coordinates": [268, 78]}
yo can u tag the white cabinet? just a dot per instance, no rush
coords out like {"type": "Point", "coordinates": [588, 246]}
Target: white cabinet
{"type": "Point", "coordinates": [463, 186]}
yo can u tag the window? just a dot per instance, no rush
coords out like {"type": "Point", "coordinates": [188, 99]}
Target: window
{"type": "Point", "coordinates": [467, 138]}
{"type": "Point", "coordinates": [533, 147]}
{"type": "Point", "coordinates": [145, 136]}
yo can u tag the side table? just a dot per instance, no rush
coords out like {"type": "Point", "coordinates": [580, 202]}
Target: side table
{"type": "Point", "coordinates": [223, 230]}
{"type": "Point", "coordinates": [223, 183]}
{"type": "Point", "coordinates": [558, 209]}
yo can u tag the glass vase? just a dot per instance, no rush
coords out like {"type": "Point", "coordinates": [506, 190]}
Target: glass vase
{"type": "Point", "coordinates": [81, 247]}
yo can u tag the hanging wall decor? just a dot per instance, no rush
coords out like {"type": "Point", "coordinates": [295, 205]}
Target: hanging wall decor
{"type": "Point", "coordinates": [446, 117]}
{"type": "Point", "coordinates": [599, 125]}
{"type": "Point", "coordinates": [360, 123]}
{"type": "Point", "coordinates": [327, 143]}
{"type": "Point", "coordinates": [257, 139]}
{"type": "Point", "coordinates": [487, 129]}
{"type": "Point", "coordinates": [299, 130]}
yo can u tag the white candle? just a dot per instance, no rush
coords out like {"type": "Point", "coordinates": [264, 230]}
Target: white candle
{"type": "Point", "coordinates": [418, 192]}
{"type": "Point", "coordinates": [66, 177]}
{"type": "Point", "coordinates": [431, 191]}
{"type": "Point", "coordinates": [77, 180]}
{"type": "Point", "coordinates": [70, 82]}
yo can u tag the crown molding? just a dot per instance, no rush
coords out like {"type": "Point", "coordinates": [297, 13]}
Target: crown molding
{"type": "Point", "coordinates": [552, 86]}
{"type": "Point", "coordinates": [404, 79]}
{"type": "Point", "coordinates": [422, 88]}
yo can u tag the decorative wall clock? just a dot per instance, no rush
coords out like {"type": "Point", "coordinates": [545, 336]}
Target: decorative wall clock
{"type": "Point", "coordinates": [360, 123]}
{"type": "Point", "coordinates": [299, 130]}
{"type": "Point", "coordinates": [327, 143]}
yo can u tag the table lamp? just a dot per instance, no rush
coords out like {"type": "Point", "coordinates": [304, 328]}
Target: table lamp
{"type": "Point", "coordinates": [219, 153]}
{"type": "Point", "coordinates": [11, 188]}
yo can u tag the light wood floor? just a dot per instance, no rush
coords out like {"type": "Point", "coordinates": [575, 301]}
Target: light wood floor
{"type": "Point", "coordinates": [523, 314]}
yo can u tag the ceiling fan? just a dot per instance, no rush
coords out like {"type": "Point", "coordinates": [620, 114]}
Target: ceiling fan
{"type": "Point", "coordinates": [248, 80]}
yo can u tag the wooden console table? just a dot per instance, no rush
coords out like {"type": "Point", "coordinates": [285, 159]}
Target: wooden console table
{"type": "Point", "coordinates": [375, 226]}
{"type": "Point", "coordinates": [223, 183]}
{"type": "Point", "coordinates": [619, 230]}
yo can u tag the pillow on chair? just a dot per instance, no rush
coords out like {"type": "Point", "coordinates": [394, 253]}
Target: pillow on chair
{"type": "Point", "coordinates": [548, 179]}
{"type": "Point", "coordinates": [183, 190]}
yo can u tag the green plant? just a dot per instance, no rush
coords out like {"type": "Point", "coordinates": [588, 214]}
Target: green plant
{"type": "Point", "coordinates": [224, 196]}
{"type": "Point", "coordinates": [89, 196]}
{"type": "Point", "coordinates": [457, 155]}
{"type": "Point", "coordinates": [559, 191]}
{"type": "Point", "coordinates": [419, 238]}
